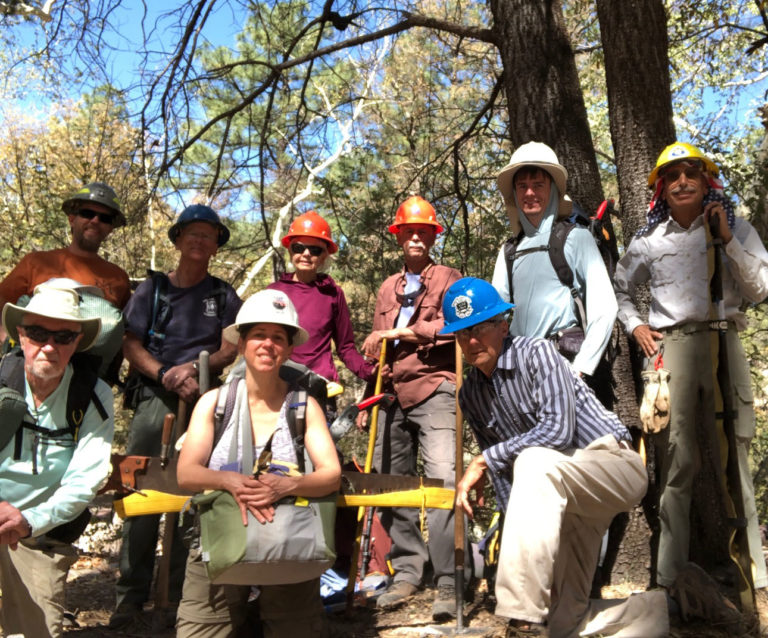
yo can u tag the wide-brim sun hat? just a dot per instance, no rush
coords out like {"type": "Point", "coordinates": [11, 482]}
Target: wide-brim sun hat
{"type": "Point", "coordinates": [52, 302]}
{"type": "Point", "coordinates": [533, 154]}
{"type": "Point", "coordinates": [267, 306]}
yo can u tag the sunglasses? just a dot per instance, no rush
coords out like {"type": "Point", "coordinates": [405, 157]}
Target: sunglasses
{"type": "Point", "coordinates": [87, 213]}
{"type": "Point", "coordinates": [297, 248]}
{"type": "Point", "coordinates": [38, 334]}
{"type": "Point", "coordinates": [476, 331]}
{"type": "Point", "coordinates": [692, 169]}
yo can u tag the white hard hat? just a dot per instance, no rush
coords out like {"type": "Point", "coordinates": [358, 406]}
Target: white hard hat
{"type": "Point", "coordinates": [267, 306]}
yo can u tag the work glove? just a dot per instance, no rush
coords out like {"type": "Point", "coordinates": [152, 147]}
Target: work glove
{"type": "Point", "coordinates": [654, 408]}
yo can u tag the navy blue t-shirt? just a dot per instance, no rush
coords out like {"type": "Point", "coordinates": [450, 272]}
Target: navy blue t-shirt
{"type": "Point", "coordinates": [193, 325]}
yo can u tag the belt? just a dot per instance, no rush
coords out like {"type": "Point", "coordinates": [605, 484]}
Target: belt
{"type": "Point", "coordinates": [691, 327]}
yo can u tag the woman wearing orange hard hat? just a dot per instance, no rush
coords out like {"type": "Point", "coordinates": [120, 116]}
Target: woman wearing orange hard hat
{"type": "Point", "coordinates": [319, 301]}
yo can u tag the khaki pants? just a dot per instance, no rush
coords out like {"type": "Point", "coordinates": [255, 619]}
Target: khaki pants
{"type": "Point", "coordinates": [32, 578]}
{"type": "Point", "coordinates": [561, 504]}
{"type": "Point", "coordinates": [222, 611]}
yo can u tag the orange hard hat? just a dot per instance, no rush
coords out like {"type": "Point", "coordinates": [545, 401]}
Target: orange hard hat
{"type": "Point", "coordinates": [415, 210]}
{"type": "Point", "coordinates": [310, 225]}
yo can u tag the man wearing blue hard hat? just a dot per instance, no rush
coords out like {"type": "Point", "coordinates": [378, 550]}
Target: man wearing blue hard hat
{"type": "Point", "coordinates": [574, 470]}
{"type": "Point", "coordinates": [170, 319]}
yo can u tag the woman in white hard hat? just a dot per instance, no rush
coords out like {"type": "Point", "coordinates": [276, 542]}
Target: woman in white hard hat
{"type": "Point", "coordinates": [266, 331]}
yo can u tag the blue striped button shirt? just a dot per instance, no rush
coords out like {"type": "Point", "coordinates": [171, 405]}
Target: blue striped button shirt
{"type": "Point", "coordinates": [532, 399]}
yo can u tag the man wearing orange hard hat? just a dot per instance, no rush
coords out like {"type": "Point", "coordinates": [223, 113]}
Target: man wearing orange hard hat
{"type": "Point", "coordinates": [420, 372]}
{"type": "Point", "coordinates": [674, 254]}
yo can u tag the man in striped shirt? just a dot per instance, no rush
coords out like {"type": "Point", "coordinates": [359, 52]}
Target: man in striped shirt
{"type": "Point", "coordinates": [574, 470]}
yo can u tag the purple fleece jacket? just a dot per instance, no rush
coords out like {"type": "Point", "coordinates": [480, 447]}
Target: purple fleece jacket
{"type": "Point", "coordinates": [324, 314]}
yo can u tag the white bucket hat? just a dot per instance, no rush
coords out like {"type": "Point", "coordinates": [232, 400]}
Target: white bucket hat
{"type": "Point", "coordinates": [532, 154]}
{"type": "Point", "coordinates": [267, 306]}
{"type": "Point", "coordinates": [54, 303]}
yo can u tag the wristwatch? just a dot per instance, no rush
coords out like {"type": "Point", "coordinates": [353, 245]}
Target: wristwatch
{"type": "Point", "coordinates": [161, 373]}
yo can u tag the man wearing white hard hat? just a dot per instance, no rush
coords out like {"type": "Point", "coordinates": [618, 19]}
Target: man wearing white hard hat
{"type": "Point", "coordinates": [51, 465]}
{"type": "Point", "coordinates": [533, 186]}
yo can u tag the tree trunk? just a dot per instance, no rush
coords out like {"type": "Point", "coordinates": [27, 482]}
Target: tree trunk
{"type": "Point", "coordinates": [640, 112]}
{"type": "Point", "coordinates": [544, 97]}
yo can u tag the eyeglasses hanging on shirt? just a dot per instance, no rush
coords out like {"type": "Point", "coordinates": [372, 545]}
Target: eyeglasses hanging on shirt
{"type": "Point", "coordinates": [412, 287]}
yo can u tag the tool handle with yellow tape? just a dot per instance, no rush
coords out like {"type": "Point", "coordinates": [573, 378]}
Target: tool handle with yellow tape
{"type": "Point", "coordinates": [153, 502]}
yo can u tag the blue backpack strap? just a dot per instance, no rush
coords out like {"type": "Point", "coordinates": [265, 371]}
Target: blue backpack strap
{"type": "Point", "coordinates": [161, 311]}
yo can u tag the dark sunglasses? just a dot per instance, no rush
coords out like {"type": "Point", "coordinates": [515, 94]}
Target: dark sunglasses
{"type": "Point", "coordinates": [38, 334]}
{"type": "Point", "coordinates": [297, 248]}
{"type": "Point", "coordinates": [87, 213]}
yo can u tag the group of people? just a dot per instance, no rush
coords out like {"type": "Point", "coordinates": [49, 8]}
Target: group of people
{"type": "Point", "coordinates": [537, 398]}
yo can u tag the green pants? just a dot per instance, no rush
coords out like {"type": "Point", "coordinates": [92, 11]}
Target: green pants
{"type": "Point", "coordinates": [687, 355]}
{"type": "Point", "coordinates": [224, 611]}
{"type": "Point", "coordinates": [137, 551]}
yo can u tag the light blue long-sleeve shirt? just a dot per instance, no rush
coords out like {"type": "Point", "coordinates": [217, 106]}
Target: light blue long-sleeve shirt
{"type": "Point", "coordinates": [543, 305]}
{"type": "Point", "coordinates": [68, 475]}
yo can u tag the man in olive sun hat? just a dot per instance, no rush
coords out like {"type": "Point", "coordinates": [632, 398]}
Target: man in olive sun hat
{"type": "Point", "coordinates": [56, 426]}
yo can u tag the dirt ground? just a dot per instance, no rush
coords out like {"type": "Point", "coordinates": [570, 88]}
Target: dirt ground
{"type": "Point", "coordinates": [90, 596]}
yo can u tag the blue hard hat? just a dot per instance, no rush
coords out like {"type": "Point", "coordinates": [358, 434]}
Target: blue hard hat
{"type": "Point", "coordinates": [470, 301]}
{"type": "Point", "coordinates": [199, 213]}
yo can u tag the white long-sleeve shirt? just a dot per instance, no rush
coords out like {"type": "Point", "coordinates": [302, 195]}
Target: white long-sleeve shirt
{"type": "Point", "coordinates": [673, 260]}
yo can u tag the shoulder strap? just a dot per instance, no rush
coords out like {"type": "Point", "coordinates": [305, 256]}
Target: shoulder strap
{"type": "Point", "coordinates": [297, 423]}
{"type": "Point", "coordinates": [557, 238]}
{"type": "Point", "coordinates": [82, 391]}
{"type": "Point", "coordinates": [12, 370]}
{"type": "Point", "coordinates": [161, 310]}
{"type": "Point", "coordinates": [225, 406]}
{"type": "Point", "coordinates": [510, 249]}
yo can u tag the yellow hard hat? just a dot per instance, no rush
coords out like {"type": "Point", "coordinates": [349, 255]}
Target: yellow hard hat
{"type": "Point", "coordinates": [680, 151]}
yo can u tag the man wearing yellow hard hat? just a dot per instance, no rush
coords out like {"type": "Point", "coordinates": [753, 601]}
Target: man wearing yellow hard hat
{"type": "Point", "coordinates": [670, 253]}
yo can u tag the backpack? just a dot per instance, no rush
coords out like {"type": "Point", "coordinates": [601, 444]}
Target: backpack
{"type": "Point", "coordinates": [297, 417]}
{"type": "Point", "coordinates": [12, 386]}
{"type": "Point", "coordinates": [561, 228]}
{"type": "Point", "coordinates": [161, 308]}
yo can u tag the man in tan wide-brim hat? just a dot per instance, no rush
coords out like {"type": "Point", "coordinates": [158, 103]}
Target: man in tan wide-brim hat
{"type": "Point", "coordinates": [533, 185]}
{"type": "Point", "coordinates": [51, 465]}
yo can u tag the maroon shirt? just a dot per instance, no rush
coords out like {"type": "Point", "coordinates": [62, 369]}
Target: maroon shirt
{"type": "Point", "coordinates": [324, 314]}
{"type": "Point", "coordinates": [417, 369]}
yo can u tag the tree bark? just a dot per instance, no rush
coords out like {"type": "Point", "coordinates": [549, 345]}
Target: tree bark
{"type": "Point", "coordinates": [544, 97]}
